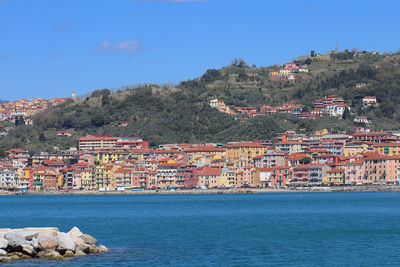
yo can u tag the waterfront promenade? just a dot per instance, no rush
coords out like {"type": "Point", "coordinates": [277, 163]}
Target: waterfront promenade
{"type": "Point", "coordinates": [363, 188]}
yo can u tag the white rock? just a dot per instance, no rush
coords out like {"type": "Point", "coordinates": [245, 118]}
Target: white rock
{"type": "Point", "coordinates": [64, 242]}
{"type": "Point", "coordinates": [75, 232]}
{"type": "Point", "coordinates": [3, 253]}
{"type": "Point", "coordinates": [3, 231]}
{"type": "Point", "coordinates": [29, 235]}
{"type": "Point", "coordinates": [34, 243]}
{"type": "Point", "coordinates": [69, 253]}
{"type": "Point", "coordinates": [15, 240]}
{"type": "Point", "coordinates": [80, 253]}
{"type": "Point", "coordinates": [3, 243]}
{"type": "Point", "coordinates": [52, 255]}
{"type": "Point", "coordinates": [28, 249]}
{"type": "Point", "coordinates": [103, 248]}
{"type": "Point", "coordinates": [89, 239]}
{"type": "Point", "coordinates": [52, 231]}
{"type": "Point", "coordinates": [46, 242]}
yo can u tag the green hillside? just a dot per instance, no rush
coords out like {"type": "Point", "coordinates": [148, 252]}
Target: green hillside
{"type": "Point", "coordinates": [181, 113]}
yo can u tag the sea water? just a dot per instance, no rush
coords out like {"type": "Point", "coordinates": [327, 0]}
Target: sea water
{"type": "Point", "coordinates": [271, 229]}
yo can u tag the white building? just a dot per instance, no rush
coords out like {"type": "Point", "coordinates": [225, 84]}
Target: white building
{"type": "Point", "coordinates": [7, 178]}
{"type": "Point", "coordinates": [362, 119]}
{"type": "Point", "coordinates": [336, 110]}
{"type": "Point", "coordinates": [369, 100]}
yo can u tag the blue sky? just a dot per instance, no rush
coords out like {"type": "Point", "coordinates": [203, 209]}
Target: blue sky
{"type": "Point", "coordinates": [49, 48]}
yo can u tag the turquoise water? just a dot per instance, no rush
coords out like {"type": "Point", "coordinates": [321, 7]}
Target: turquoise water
{"type": "Point", "coordinates": [281, 229]}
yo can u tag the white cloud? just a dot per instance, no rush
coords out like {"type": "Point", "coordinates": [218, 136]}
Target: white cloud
{"type": "Point", "coordinates": [129, 47]}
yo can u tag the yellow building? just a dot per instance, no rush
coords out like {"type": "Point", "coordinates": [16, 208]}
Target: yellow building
{"type": "Point", "coordinates": [354, 148]}
{"type": "Point", "coordinates": [224, 178]}
{"type": "Point", "coordinates": [109, 156]}
{"type": "Point", "coordinates": [25, 178]}
{"type": "Point", "coordinates": [87, 179]}
{"type": "Point", "coordinates": [321, 132]}
{"type": "Point", "coordinates": [387, 149]}
{"type": "Point", "coordinates": [59, 181]}
{"type": "Point", "coordinates": [284, 71]}
{"type": "Point", "coordinates": [217, 103]}
{"type": "Point", "coordinates": [209, 152]}
{"type": "Point", "coordinates": [109, 177]}
{"type": "Point", "coordinates": [100, 176]}
{"type": "Point", "coordinates": [248, 150]}
{"type": "Point", "coordinates": [334, 176]}
{"type": "Point", "coordinates": [274, 73]}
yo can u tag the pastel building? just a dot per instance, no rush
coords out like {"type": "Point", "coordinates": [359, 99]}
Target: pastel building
{"type": "Point", "coordinates": [387, 149]}
{"type": "Point", "coordinates": [335, 176]}
{"type": "Point", "coordinates": [243, 150]}
{"type": "Point", "coordinates": [274, 158]}
{"type": "Point", "coordinates": [354, 172]}
{"type": "Point", "coordinates": [209, 177]}
{"type": "Point", "coordinates": [167, 175]}
{"type": "Point", "coordinates": [381, 169]}
{"type": "Point", "coordinates": [280, 177]}
{"type": "Point", "coordinates": [7, 178]}
{"type": "Point", "coordinates": [316, 173]}
{"type": "Point", "coordinates": [289, 147]}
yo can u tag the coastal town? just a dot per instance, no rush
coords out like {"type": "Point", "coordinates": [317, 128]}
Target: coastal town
{"type": "Point", "coordinates": [104, 163]}
{"type": "Point", "coordinates": [332, 106]}
{"type": "Point", "coordinates": [21, 111]}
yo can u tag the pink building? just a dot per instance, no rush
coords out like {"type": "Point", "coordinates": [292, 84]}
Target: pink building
{"type": "Point", "coordinates": [274, 158]}
{"type": "Point", "coordinates": [381, 169]}
{"type": "Point", "coordinates": [300, 175]}
{"type": "Point", "coordinates": [280, 177]}
{"type": "Point", "coordinates": [354, 172]}
{"type": "Point", "coordinates": [188, 176]}
{"type": "Point", "coordinates": [139, 177]}
{"type": "Point", "coordinates": [209, 177]}
{"type": "Point", "coordinates": [249, 176]}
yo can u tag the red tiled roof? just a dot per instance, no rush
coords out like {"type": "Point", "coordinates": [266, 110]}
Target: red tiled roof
{"type": "Point", "coordinates": [244, 144]}
{"type": "Point", "coordinates": [264, 169]}
{"type": "Point", "coordinates": [204, 149]}
{"type": "Point", "coordinates": [211, 171]}
{"type": "Point", "coordinates": [387, 144]}
{"type": "Point", "coordinates": [296, 156]}
{"type": "Point", "coordinates": [169, 165]}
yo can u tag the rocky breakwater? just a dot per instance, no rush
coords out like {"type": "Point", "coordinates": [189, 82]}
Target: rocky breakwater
{"type": "Point", "coordinates": [46, 243]}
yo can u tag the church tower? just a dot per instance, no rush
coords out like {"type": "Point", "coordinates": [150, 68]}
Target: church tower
{"type": "Point", "coordinates": [73, 95]}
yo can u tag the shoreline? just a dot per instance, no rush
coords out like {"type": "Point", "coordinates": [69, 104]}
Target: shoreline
{"type": "Point", "coordinates": [372, 188]}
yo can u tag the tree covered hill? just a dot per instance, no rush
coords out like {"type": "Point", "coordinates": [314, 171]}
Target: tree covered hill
{"type": "Point", "coordinates": [181, 113]}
